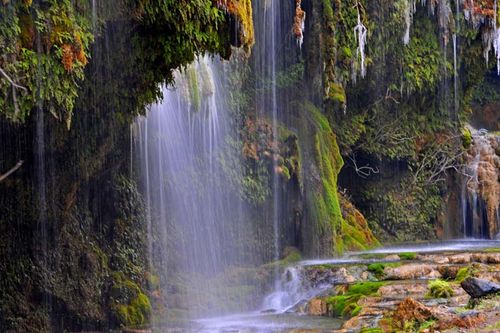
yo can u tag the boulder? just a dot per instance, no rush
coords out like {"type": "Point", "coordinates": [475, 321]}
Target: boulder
{"type": "Point", "coordinates": [477, 288]}
{"type": "Point", "coordinates": [449, 272]}
{"type": "Point", "coordinates": [409, 310]}
{"type": "Point", "coordinates": [411, 271]}
{"type": "Point", "coordinates": [462, 258]}
{"type": "Point", "coordinates": [317, 307]}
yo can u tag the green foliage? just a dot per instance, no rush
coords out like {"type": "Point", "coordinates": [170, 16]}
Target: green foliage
{"type": "Point", "coordinates": [45, 47]}
{"type": "Point", "coordinates": [339, 46]}
{"type": "Point", "coordinates": [423, 62]}
{"type": "Point", "coordinates": [404, 211]}
{"type": "Point", "coordinates": [346, 303]}
{"type": "Point", "coordinates": [291, 76]}
{"type": "Point", "coordinates": [440, 289]}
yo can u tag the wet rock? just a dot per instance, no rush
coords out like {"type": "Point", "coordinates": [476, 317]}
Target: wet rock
{"type": "Point", "coordinates": [392, 257]}
{"type": "Point", "coordinates": [317, 307]}
{"type": "Point", "coordinates": [411, 271]}
{"type": "Point", "coordinates": [409, 310]}
{"type": "Point", "coordinates": [448, 272]}
{"type": "Point", "coordinates": [467, 320]}
{"type": "Point", "coordinates": [401, 290]}
{"type": "Point", "coordinates": [477, 288]}
{"type": "Point", "coordinates": [344, 276]}
{"type": "Point", "coordinates": [493, 275]}
{"type": "Point", "coordinates": [462, 258]}
{"type": "Point", "coordinates": [486, 258]}
{"type": "Point", "coordinates": [435, 258]}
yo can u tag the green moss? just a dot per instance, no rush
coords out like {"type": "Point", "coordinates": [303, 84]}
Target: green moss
{"type": "Point", "coordinates": [292, 255]}
{"type": "Point", "coordinates": [492, 250]}
{"type": "Point", "coordinates": [131, 306]}
{"type": "Point", "coordinates": [465, 272]}
{"type": "Point", "coordinates": [466, 137]}
{"type": "Point", "coordinates": [371, 330]}
{"type": "Point", "coordinates": [439, 289]}
{"type": "Point", "coordinates": [337, 93]}
{"type": "Point", "coordinates": [194, 90]}
{"type": "Point", "coordinates": [142, 304]}
{"type": "Point", "coordinates": [324, 201]}
{"type": "Point", "coordinates": [407, 255]}
{"type": "Point", "coordinates": [378, 268]}
{"type": "Point", "coordinates": [346, 304]}
{"type": "Point", "coordinates": [153, 281]}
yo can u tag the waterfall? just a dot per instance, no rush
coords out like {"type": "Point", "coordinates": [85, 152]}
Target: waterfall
{"type": "Point", "coordinates": [41, 186]}
{"type": "Point", "coordinates": [266, 65]}
{"type": "Point", "coordinates": [480, 193]}
{"type": "Point", "coordinates": [197, 231]}
{"type": "Point", "coordinates": [296, 289]}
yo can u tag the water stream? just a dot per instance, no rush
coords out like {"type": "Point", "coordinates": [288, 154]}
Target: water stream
{"type": "Point", "coordinates": [480, 189]}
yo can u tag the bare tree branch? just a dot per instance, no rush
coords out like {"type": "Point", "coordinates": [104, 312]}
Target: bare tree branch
{"type": "Point", "coordinates": [11, 171]}
{"type": "Point", "coordinates": [363, 171]}
{"type": "Point", "coordinates": [15, 85]}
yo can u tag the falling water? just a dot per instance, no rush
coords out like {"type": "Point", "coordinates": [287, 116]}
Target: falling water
{"type": "Point", "coordinates": [266, 50]}
{"type": "Point", "coordinates": [296, 289]}
{"type": "Point", "coordinates": [42, 197]}
{"type": "Point", "coordinates": [455, 75]}
{"type": "Point", "coordinates": [455, 60]}
{"type": "Point", "coordinates": [480, 187]}
{"type": "Point", "coordinates": [193, 207]}
{"type": "Point", "coordinates": [276, 180]}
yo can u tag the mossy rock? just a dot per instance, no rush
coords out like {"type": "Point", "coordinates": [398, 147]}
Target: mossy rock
{"type": "Point", "coordinates": [440, 289]}
{"type": "Point", "coordinates": [346, 305]}
{"type": "Point", "coordinates": [378, 268]}
{"type": "Point", "coordinates": [465, 272]}
{"type": "Point", "coordinates": [466, 138]}
{"type": "Point", "coordinates": [337, 93]}
{"type": "Point", "coordinates": [131, 306]}
{"type": "Point", "coordinates": [407, 255]}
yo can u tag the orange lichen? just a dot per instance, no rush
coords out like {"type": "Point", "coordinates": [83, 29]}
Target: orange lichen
{"type": "Point", "coordinates": [67, 57]}
{"type": "Point", "coordinates": [480, 7]}
{"type": "Point", "coordinates": [73, 52]}
{"type": "Point", "coordinates": [298, 21]}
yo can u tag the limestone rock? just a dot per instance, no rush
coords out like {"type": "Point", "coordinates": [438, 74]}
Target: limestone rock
{"type": "Point", "coordinates": [412, 271]}
{"type": "Point", "coordinates": [477, 288]}
{"type": "Point", "coordinates": [317, 307]}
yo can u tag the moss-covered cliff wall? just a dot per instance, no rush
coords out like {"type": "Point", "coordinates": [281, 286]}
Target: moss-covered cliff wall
{"type": "Point", "coordinates": [400, 127]}
{"type": "Point", "coordinates": [74, 76]}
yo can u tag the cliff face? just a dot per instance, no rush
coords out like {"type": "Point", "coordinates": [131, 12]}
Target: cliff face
{"type": "Point", "coordinates": [399, 125]}
{"type": "Point", "coordinates": [74, 76]}
{"type": "Point", "coordinates": [373, 96]}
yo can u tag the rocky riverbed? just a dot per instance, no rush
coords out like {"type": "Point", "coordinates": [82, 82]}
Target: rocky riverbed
{"type": "Point", "coordinates": [411, 292]}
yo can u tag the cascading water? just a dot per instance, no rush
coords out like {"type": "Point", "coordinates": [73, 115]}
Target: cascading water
{"type": "Point", "coordinates": [480, 187]}
{"type": "Point", "coordinates": [295, 290]}
{"type": "Point", "coordinates": [194, 212]}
